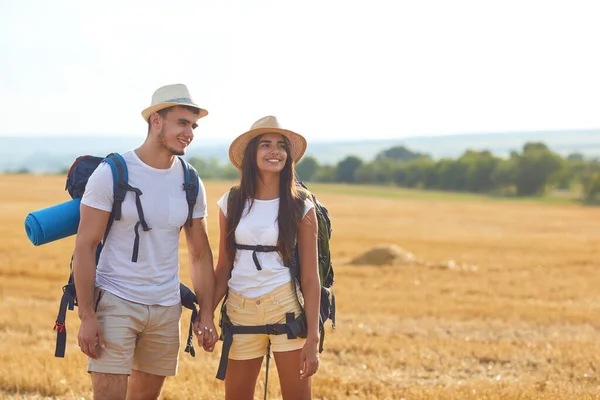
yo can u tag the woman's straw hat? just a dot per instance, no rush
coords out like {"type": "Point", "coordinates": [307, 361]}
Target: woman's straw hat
{"type": "Point", "coordinates": [171, 95]}
{"type": "Point", "coordinates": [268, 124]}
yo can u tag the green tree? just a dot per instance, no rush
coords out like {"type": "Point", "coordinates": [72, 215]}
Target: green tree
{"type": "Point", "coordinates": [326, 173]}
{"type": "Point", "coordinates": [503, 176]}
{"type": "Point", "coordinates": [400, 153]}
{"type": "Point", "coordinates": [307, 168]}
{"type": "Point", "coordinates": [575, 157]}
{"type": "Point", "coordinates": [451, 174]}
{"type": "Point", "coordinates": [419, 173]}
{"type": "Point", "coordinates": [379, 171]}
{"type": "Point", "coordinates": [534, 169]}
{"type": "Point", "coordinates": [591, 182]}
{"type": "Point", "coordinates": [347, 168]}
{"type": "Point", "coordinates": [480, 168]}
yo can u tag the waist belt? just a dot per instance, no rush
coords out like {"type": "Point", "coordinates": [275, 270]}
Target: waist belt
{"type": "Point", "coordinates": [293, 327]}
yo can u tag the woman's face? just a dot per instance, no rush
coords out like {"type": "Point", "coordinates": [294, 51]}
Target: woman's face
{"type": "Point", "coordinates": [271, 154]}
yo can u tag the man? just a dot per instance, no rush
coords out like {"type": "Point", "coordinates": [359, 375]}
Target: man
{"type": "Point", "coordinates": [129, 306]}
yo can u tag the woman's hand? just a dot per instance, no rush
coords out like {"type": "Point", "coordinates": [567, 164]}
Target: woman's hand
{"type": "Point", "coordinates": [206, 332]}
{"type": "Point", "coordinates": [309, 359]}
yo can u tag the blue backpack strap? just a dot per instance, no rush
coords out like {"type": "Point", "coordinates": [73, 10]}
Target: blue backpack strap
{"type": "Point", "coordinates": [120, 187]}
{"type": "Point", "coordinates": [120, 180]}
{"type": "Point", "coordinates": [191, 185]}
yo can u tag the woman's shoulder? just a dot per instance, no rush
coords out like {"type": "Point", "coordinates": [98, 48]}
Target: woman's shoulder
{"type": "Point", "coordinates": [225, 196]}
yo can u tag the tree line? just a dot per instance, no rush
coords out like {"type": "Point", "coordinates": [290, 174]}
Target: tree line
{"type": "Point", "coordinates": [532, 171]}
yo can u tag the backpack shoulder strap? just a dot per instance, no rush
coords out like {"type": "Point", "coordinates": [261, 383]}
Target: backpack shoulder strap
{"type": "Point", "coordinates": [191, 185]}
{"type": "Point", "coordinates": [302, 189]}
{"type": "Point", "coordinates": [120, 180]}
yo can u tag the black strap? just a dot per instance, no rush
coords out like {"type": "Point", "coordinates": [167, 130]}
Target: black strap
{"type": "Point", "coordinates": [136, 243]}
{"type": "Point", "coordinates": [227, 341]}
{"type": "Point", "coordinates": [258, 248]}
{"type": "Point", "coordinates": [60, 326]}
{"type": "Point", "coordinates": [191, 187]}
{"type": "Point", "coordinates": [333, 310]}
{"type": "Point", "coordinates": [119, 195]}
{"type": "Point", "coordinates": [267, 369]}
{"type": "Point", "coordinates": [292, 328]}
{"type": "Point", "coordinates": [142, 222]}
{"type": "Point", "coordinates": [189, 348]}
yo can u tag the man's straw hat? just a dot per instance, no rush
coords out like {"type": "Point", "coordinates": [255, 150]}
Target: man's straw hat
{"type": "Point", "coordinates": [171, 95]}
{"type": "Point", "coordinates": [268, 124]}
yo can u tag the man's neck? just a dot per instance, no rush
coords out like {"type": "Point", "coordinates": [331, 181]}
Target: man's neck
{"type": "Point", "coordinates": [154, 156]}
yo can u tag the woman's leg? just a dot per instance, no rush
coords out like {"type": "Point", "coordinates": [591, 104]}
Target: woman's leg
{"type": "Point", "coordinates": [240, 379]}
{"type": "Point", "coordinates": [288, 368]}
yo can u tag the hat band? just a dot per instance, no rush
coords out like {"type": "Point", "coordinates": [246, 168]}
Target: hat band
{"type": "Point", "coordinates": [179, 100]}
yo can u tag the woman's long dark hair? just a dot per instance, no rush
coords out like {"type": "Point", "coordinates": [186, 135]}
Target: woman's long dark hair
{"type": "Point", "coordinates": [291, 205]}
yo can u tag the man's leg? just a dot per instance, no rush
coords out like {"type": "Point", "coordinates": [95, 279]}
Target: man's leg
{"type": "Point", "coordinates": [120, 321]}
{"type": "Point", "coordinates": [156, 353]}
{"type": "Point", "coordinates": [109, 386]}
{"type": "Point", "coordinates": [144, 386]}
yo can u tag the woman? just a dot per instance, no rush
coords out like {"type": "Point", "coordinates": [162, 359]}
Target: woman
{"type": "Point", "coordinates": [265, 209]}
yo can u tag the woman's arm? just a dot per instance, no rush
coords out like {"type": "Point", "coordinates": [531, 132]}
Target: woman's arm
{"type": "Point", "coordinates": [223, 269]}
{"type": "Point", "coordinates": [311, 290]}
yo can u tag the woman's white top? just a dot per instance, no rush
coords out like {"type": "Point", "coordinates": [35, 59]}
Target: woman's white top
{"type": "Point", "coordinates": [258, 227]}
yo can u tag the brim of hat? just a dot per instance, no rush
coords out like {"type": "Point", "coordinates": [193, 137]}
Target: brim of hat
{"type": "Point", "coordinates": [157, 107]}
{"type": "Point", "coordinates": [238, 146]}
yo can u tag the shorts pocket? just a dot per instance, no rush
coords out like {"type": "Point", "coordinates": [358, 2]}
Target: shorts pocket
{"type": "Point", "coordinates": [279, 310]}
{"type": "Point", "coordinates": [233, 304]}
{"type": "Point", "coordinates": [98, 294]}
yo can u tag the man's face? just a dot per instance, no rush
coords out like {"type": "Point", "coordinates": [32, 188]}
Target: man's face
{"type": "Point", "coordinates": [177, 130]}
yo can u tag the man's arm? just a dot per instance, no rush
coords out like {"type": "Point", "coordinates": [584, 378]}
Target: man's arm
{"type": "Point", "coordinates": [91, 230]}
{"type": "Point", "coordinates": [203, 279]}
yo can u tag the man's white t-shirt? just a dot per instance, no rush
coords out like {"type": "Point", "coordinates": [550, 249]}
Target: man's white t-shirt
{"type": "Point", "coordinates": [154, 278]}
{"type": "Point", "coordinates": [258, 227]}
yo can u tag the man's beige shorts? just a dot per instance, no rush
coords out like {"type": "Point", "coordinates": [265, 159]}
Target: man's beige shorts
{"type": "Point", "coordinates": [140, 337]}
{"type": "Point", "coordinates": [267, 309]}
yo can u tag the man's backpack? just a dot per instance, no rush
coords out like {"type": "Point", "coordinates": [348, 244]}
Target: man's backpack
{"type": "Point", "coordinates": [293, 327]}
{"type": "Point", "coordinates": [77, 178]}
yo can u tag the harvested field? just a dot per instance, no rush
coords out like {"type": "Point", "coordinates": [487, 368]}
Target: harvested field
{"type": "Point", "coordinates": [523, 324]}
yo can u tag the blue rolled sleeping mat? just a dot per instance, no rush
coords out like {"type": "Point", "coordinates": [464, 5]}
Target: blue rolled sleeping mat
{"type": "Point", "coordinates": [53, 223]}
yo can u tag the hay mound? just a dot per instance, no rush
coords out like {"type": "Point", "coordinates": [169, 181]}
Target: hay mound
{"type": "Point", "coordinates": [385, 255]}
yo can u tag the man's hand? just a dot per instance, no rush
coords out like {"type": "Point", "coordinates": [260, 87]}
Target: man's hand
{"type": "Point", "coordinates": [207, 334]}
{"type": "Point", "coordinates": [89, 331]}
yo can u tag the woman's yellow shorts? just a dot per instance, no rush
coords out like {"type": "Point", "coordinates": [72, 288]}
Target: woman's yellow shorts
{"type": "Point", "coordinates": [266, 309]}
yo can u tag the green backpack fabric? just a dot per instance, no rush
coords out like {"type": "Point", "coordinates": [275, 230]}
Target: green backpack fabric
{"type": "Point", "coordinates": [326, 274]}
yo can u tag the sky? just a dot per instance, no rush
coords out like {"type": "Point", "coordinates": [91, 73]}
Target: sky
{"type": "Point", "coordinates": [330, 70]}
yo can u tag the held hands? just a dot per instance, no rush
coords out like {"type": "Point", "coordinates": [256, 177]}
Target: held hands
{"type": "Point", "coordinates": [86, 338]}
{"type": "Point", "coordinates": [207, 334]}
{"type": "Point", "coordinates": [309, 359]}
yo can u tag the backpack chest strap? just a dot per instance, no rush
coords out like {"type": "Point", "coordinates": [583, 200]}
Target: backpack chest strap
{"type": "Point", "coordinates": [258, 248]}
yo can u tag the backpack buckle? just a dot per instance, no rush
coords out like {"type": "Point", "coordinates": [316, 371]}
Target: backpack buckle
{"type": "Point", "coordinates": [273, 329]}
{"type": "Point", "coordinates": [59, 326]}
